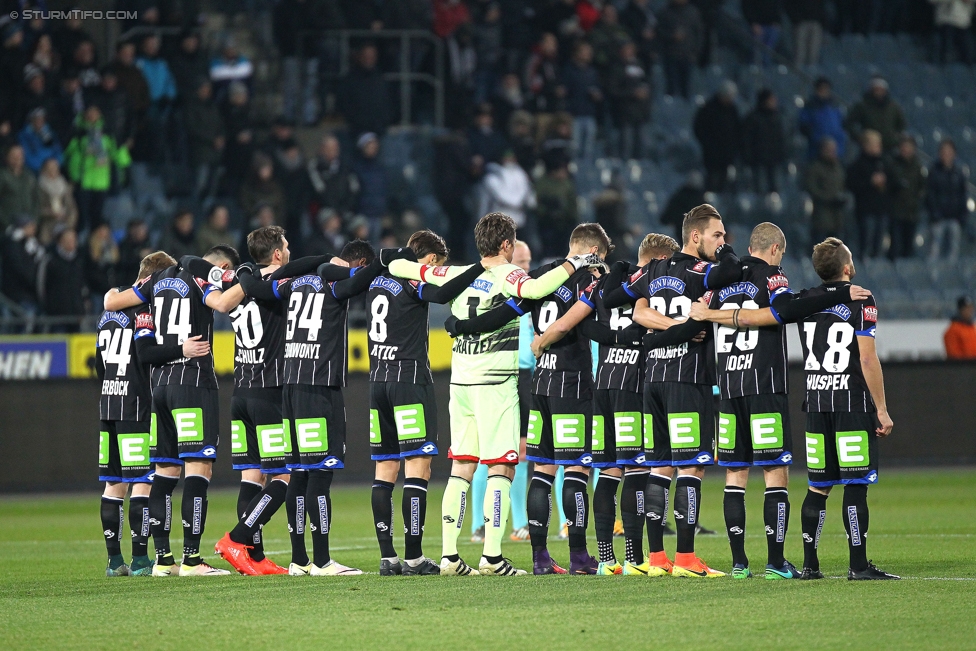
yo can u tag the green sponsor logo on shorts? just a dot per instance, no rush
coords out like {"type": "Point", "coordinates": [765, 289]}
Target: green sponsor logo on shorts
{"type": "Point", "coordinates": [726, 431]}
{"type": "Point", "coordinates": [626, 428]}
{"type": "Point", "coordinates": [103, 454]}
{"type": "Point", "coordinates": [134, 449]}
{"type": "Point", "coordinates": [767, 431]}
{"type": "Point", "coordinates": [684, 430]}
{"type": "Point", "coordinates": [374, 426]}
{"type": "Point", "coordinates": [568, 431]}
{"type": "Point", "coordinates": [410, 422]}
{"type": "Point", "coordinates": [534, 434]}
{"type": "Point", "coordinates": [816, 451]}
{"type": "Point", "coordinates": [853, 450]}
{"type": "Point", "coordinates": [238, 437]}
{"type": "Point", "coordinates": [272, 441]}
{"type": "Point", "coordinates": [152, 430]}
{"type": "Point", "coordinates": [189, 424]}
{"type": "Point", "coordinates": [648, 432]}
{"type": "Point", "coordinates": [312, 435]}
{"type": "Point", "coordinates": [599, 434]}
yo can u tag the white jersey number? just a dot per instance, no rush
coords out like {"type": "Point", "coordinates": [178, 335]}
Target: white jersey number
{"type": "Point", "coordinates": [116, 348]}
{"type": "Point", "coordinates": [838, 355]}
{"type": "Point", "coordinates": [178, 322]}
{"type": "Point", "coordinates": [248, 328]}
{"type": "Point", "coordinates": [378, 309]}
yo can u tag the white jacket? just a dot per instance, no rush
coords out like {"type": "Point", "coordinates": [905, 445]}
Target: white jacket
{"type": "Point", "coordinates": [507, 189]}
{"type": "Point", "coordinates": [954, 13]}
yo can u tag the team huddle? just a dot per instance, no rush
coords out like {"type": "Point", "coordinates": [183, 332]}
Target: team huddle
{"type": "Point", "coordinates": [645, 416]}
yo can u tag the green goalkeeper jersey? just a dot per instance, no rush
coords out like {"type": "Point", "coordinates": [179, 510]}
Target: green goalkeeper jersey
{"type": "Point", "coordinates": [488, 358]}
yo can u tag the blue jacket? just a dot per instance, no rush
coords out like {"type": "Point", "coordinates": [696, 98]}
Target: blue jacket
{"type": "Point", "coordinates": [946, 195]}
{"type": "Point", "coordinates": [38, 147]}
{"type": "Point", "coordinates": [818, 120]}
{"type": "Point", "coordinates": [372, 186]}
{"type": "Point", "coordinates": [158, 78]}
{"type": "Point", "coordinates": [579, 82]}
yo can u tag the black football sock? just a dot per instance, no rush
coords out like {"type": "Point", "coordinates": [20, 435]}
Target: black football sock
{"type": "Point", "coordinates": [856, 523]}
{"type": "Point", "coordinates": [161, 514]}
{"type": "Point", "coordinates": [539, 509]}
{"type": "Point", "coordinates": [247, 492]}
{"type": "Point", "coordinates": [813, 513]}
{"type": "Point", "coordinates": [605, 514]}
{"type": "Point", "coordinates": [139, 524]}
{"type": "Point", "coordinates": [632, 513]}
{"type": "Point", "coordinates": [414, 516]}
{"type": "Point", "coordinates": [113, 520]}
{"type": "Point", "coordinates": [295, 508]}
{"type": "Point", "coordinates": [687, 495]}
{"type": "Point", "coordinates": [258, 513]}
{"type": "Point", "coordinates": [194, 509]}
{"type": "Point", "coordinates": [576, 506]}
{"type": "Point", "coordinates": [656, 510]}
{"type": "Point", "coordinates": [735, 523]}
{"type": "Point", "coordinates": [319, 503]}
{"type": "Point", "coordinates": [776, 515]}
{"type": "Point", "coordinates": [382, 500]}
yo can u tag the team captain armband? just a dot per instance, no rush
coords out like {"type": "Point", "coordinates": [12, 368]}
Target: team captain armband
{"type": "Point", "coordinates": [517, 277]}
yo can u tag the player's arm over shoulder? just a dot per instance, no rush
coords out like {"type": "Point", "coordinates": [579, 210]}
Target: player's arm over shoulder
{"type": "Point", "coordinates": [519, 284]}
{"type": "Point", "coordinates": [425, 272]}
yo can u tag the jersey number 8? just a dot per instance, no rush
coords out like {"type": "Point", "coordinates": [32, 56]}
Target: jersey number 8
{"type": "Point", "coordinates": [378, 309]}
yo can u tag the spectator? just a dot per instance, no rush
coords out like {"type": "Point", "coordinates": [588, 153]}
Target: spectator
{"type": "Point", "coordinates": [188, 64]}
{"type": "Point", "coordinates": [291, 174]}
{"type": "Point", "coordinates": [456, 171]}
{"type": "Point", "coordinates": [825, 183]}
{"type": "Point", "coordinates": [180, 238]}
{"type": "Point", "coordinates": [821, 118]}
{"type": "Point", "coordinates": [542, 76]}
{"type": "Point", "coordinates": [216, 230]}
{"type": "Point", "coordinates": [239, 130]}
{"type": "Point", "coordinates": [764, 16]}
{"type": "Point", "coordinates": [300, 61]}
{"type": "Point", "coordinates": [39, 141]}
{"type": "Point", "coordinates": [960, 337]}
{"type": "Point", "coordinates": [488, 50]}
{"type": "Point", "coordinates": [681, 33]}
{"type": "Point", "coordinates": [18, 189]}
{"type": "Point", "coordinates": [328, 238]}
{"type": "Point", "coordinates": [162, 93]}
{"type": "Point", "coordinates": [68, 104]}
{"type": "Point", "coordinates": [879, 112]}
{"type": "Point", "coordinates": [362, 95]}
{"type": "Point", "coordinates": [871, 181]}
{"type": "Point", "coordinates": [689, 195]}
{"type": "Point", "coordinates": [132, 249]}
{"type": "Point", "coordinates": [764, 142]}
{"type": "Point", "coordinates": [953, 20]}
{"type": "Point", "coordinates": [448, 16]}
{"type": "Point", "coordinates": [120, 122]}
{"type": "Point", "coordinates": [583, 99]}
{"type": "Point", "coordinates": [718, 129]}
{"type": "Point", "coordinates": [946, 200]}
{"type": "Point", "coordinates": [84, 62]}
{"type": "Point", "coordinates": [46, 57]}
{"type": "Point", "coordinates": [521, 134]}
{"type": "Point", "coordinates": [372, 182]}
{"type": "Point", "coordinates": [57, 207]}
{"type": "Point", "coordinates": [34, 95]}
{"type": "Point", "coordinates": [205, 130]}
{"type": "Point", "coordinates": [709, 10]}
{"type": "Point", "coordinates": [131, 79]}
{"type": "Point", "coordinates": [462, 68]}
{"type": "Point", "coordinates": [630, 89]}
{"type": "Point", "coordinates": [21, 253]}
{"type": "Point", "coordinates": [261, 187]}
{"type": "Point", "coordinates": [61, 281]}
{"type": "Point", "coordinates": [486, 143]}
{"type": "Point", "coordinates": [101, 264]}
{"type": "Point", "coordinates": [89, 160]}
{"type": "Point", "coordinates": [556, 211]}
{"type": "Point", "coordinates": [331, 184]}
{"type": "Point", "coordinates": [557, 148]}
{"type": "Point", "coordinates": [12, 59]}
{"type": "Point", "coordinates": [229, 67]}
{"type": "Point", "coordinates": [68, 34]}
{"type": "Point", "coordinates": [610, 211]}
{"type": "Point", "coordinates": [808, 18]}
{"type": "Point", "coordinates": [909, 181]}
{"type": "Point", "coordinates": [508, 189]}
{"type": "Point", "coordinates": [640, 22]}
{"type": "Point", "coordinates": [508, 98]}
{"type": "Point", "coordinates": [607, 37]}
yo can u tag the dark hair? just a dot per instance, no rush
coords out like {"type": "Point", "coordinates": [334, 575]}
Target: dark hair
{"type": "Point", "coordinates": [154, 262]}
{"type": "Point", "coordinates": [591, 234]}
{"type": "Point", "coordinates": [829, 258]}
{"type": "Point", "coordinates": [262, 243]}
{"type": "Point", "coordinates": [697, 219]}
{"type": "Point", "coordinates": [358, 250]}
{"type": "Point", "coordinates": [426, 242]}
{"type": "Point", "coordinates": [491, 231]}
{"type": "Point", "coordinates": [226, 252]}
{"type": "Point", "coordinates": [821, 81]}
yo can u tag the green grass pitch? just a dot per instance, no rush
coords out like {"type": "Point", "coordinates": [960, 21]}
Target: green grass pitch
{"type": "Point", "coordinates": [53, 592]}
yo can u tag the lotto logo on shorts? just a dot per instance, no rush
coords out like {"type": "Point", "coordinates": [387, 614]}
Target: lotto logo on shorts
{"type": "Point", "coordinates": [568, 431]}
{"type": "Point", "coordinates": [410, 422]}
{"type": "Point", "coordinates": [534, 429]}
{"type": "Point", "coordinates": [134, 449]}
{"type": "Point", "coordinates": [599, 440]}
{"type": "Point", "coordinates": [312, 435]}
{"type": "Point", "coordinates": [238, 437]}
{"type": "Point", "coordinates": [852, 449]}
{"type": "Point", "coordinates": [648, 432]}
{"type": "Point", "coordinates": [766, 430]}
{"type": "Point", "coordinates": [103, 454]}
{"type": "Point", "coordinates": [684, 430]}
{"type": "Point", "coordinates": [272, 441]}
{"type": "Point", "coordinates": [189, 424]}
{"type": "Point", "coordinates": [726, 431]}
{"type": "Point", "coordinates": [374, 427]}
{"type": "Point", "coordinates": [626, 431]}
{"type": "Point", "coordinates": [816, 451]}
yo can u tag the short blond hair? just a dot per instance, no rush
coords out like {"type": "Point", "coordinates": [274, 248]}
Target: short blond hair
{"type": "Point", "coordinates": [765, 235]}
{"type": "Point", "coordinates": [154, 262]}
{"type": "Point", "coordinates": [655, 245]}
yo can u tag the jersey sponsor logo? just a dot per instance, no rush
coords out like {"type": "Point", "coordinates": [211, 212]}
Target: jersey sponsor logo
{"type": "Point", "coordinates": [228, 276]}
{"type": "Point", "coordinates": [817, 382]}
{"type": "Point", "coordinates": [516, 277]}
{"type": "Point", "coordinates": [565, 294]}
{"type": "Point", "coordinates": [115, 387]}
{"type": "Point", "coordinates": [666, 282]}
{"type": "Point", "coordinates": [737, 289]}
{"type": "Point", "coordinates": [591, 287]}
{"type": "Point", "coordinates": [439, 271]}
{"type": "Point", "coordinates": [871, 313]}
{"type": "Point", "coordinates": [777, 281]}
{"type": "Point", "coordinates": [145, 320]}
{"type": "Point", "coordinates": [634, 277]}
{"type": "Point", "coordinates": [177, 285]}
{"type": "Point", "coordinates": [700, 266]}
{"type": "Point", "coordinates": [708, 296]}
{"type": "Point", "coordinates": [313, 281]}
{"type": "Point", "coordinates": [143, 332]}
{"type": "Point", "coordinates": [482, 285]}
{"type": "Point", "coordinates": [842, 311]}
{"type": "Point", "coordinates": [777, 292]}
{"type": "Point", "coordinates": [118, 317]}
{"type": "Point", "coordinates": [390, 285]}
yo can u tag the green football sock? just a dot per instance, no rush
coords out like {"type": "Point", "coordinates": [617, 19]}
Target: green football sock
{"type": "Point", "coordinates": [452, 510]}
{"type": "Point", "coordinates": [497, 507]}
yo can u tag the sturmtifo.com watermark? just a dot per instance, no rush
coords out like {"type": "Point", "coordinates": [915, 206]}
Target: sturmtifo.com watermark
{"type": "Point", "coordinates": [76, 14]}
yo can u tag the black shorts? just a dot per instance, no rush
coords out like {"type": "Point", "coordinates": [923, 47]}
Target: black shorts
{"type": "Point", "coordinates": [123, 451]}
{"type": "Point", "coordinates": [402, 420]}
{"type": "Point", "coordinates": [618, 429]}
{"type": "Point", "coordinates": [755, 430]}
{"type": "Point", "coordinates": [315, 417]}
{"type": "Point", "coordinates": [257, 434]}
{"type": "Point", "coordinates": [525, 399]}
{"type": "Point", "coordinates": [560, 431]}
{"type": "Point", "coordinates": [842, 448]}
{"type": "Point", "coordinates": [187, 424]}
{"type": "Point", "coordinates": [681, 419]}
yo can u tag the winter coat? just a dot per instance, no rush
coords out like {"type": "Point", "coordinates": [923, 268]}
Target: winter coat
{"type": "Point", "coordinates": [960, 339]}
{"type": "Point", "coordinates": [57, 206]}
{"type": "Point", "coordinates": [188, 70]}
{"type": "Point", "coordinates": [606, 41]}
{"type": "Point", "coordinates": [718, 129]}
{"type": "Point", "coordinates": [373, 187]}
{"type": "Point", "coordinates": [62, 281]}
{"type": "Point", "coordinates": [20, 257]}
{"type": "Point", "coordinates": [117, 113]}
{"type": "Point", "coordinates": [490, 145]}
{"type": "Point", "coordinates": [946, 193]}
{"type": "Point", "coordinates": [820, 119]}
{"type": "Point", "coordinates": [910, 189]}
{"type": "Point", "coordinates": [18, 195]}
{"type": "Point", "coordinates": [825, 184]}
{"type": "Point", "coordinates": [764, 141]}
{"type": "Point", "coordinates": [626, 78]}
{"type": "Point", "coordinates": [208, 237]}
{"type": "Point", "coordinates": [40, 146]}
{"type": "Point", "coordinates": [507, 189]}
{"type": "Point", "coordinates": [868, 199]}
{"type": "Point", "coordinates": [556, 209]}
{"type": "Point", "coordinates": [362, 101]}
{"type": "Point", "coordinates": [162, 86]}
{"type": "Point", "coordinates": [254, 193]}
{"type": "Point", "coordinates": [203, 126]}
{"type": "Point", "coordinates": [885, 117]}
{"type": "Point", "coordinates": [90, 156]}
{"type": "Point", "coordinates": [133, 82]}
{"type": "Point", "coordinates": [580, 82]}
{"type": "Point", "coordinates": [685, 19]}
{"type": "Point", "coordinates": [179, 245]}
{"type": "Point", "coordinates": [331, 186]}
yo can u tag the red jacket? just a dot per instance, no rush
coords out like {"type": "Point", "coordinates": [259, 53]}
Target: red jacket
{"type": "Point", "coordinates": [960, 340]}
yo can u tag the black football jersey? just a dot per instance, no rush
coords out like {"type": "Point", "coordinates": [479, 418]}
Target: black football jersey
{"type": "Point", "coordinates": [832, 356]}
{"type": "Point", "coordinates": [618, 367]}
{"type": "Point", "coordinates": [179, 312]}
{"type": "Point", "coordinates": [315, 332]}
{"type": "Point", "coordinates": [566, 368]}
{"type": "Point", "coordinates": [259, 343]}
{"type": "Point", "coordinates": [670, 287]}
{"type": "Point", "coordinates": [126, 393]}
{"type": "Point", "coordinates": [751, 361]}
{"type": "Point", "coordinates": [398, 331]}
